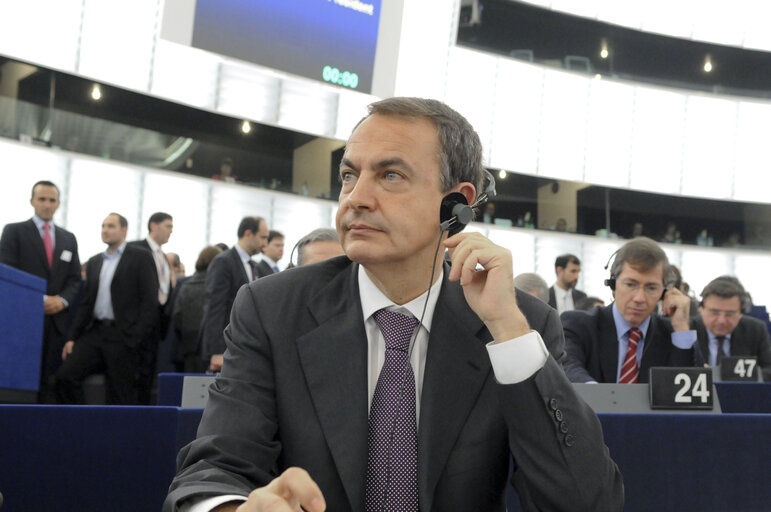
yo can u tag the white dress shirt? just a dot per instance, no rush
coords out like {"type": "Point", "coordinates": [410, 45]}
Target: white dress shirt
{"type": "Point", "coordinates": [564, 299]}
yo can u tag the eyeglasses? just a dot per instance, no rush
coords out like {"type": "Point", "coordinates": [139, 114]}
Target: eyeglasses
{"type": "Point", "coordinates": [728, 314]}
{"type": "Point", "coordinates": [651, 290]}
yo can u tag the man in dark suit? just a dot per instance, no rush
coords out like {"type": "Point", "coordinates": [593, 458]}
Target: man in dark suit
{"type": "Point", "coordinates": [117, 312]}
{"type": "Point", "coordinates": [722, 330]}
{"type": "Point", "coordinates": [228, 272]}
{"type": "Point", "coordinates": [620, 342]}
{"type": "Point", "coordinates": [563, 294]}
{"type": "Point", "coordinates": [40, 248]}
{"type": "Point", "coordinates": [312, 349]}
{"type": "Point", "coordinates": [159, 228]}
{"type": "Point", "coordinates": [271, 254]}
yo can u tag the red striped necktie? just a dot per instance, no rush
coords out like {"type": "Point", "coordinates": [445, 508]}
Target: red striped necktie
{"type": "Point", "coordinates": [629, 370]}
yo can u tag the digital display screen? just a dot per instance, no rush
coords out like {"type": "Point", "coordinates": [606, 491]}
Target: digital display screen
{"type": "Point", "coordinates": [327, 40]}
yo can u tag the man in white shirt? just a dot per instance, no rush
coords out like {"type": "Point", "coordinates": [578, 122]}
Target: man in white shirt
{"type": "Point", "coordinates": [302, 385]}
{"type": "Point", "coordinates": [563, 295]}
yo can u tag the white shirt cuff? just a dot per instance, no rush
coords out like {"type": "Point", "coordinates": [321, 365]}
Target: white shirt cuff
{"type": "Point", "coordinates": [684, 339]}
{"type": "Point", "coordinates": [209, 504]}
{"type": "Point", "coordinates": [518, 359]}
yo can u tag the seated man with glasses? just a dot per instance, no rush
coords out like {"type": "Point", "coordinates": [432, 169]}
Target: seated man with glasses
{"type": "Point", "coordinates": [722, 330]}
{"type": "Point", "coordinates": [620, 342]}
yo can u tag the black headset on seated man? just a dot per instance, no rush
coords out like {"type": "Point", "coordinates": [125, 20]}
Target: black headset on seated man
{"type": "Point", "coordinates": [455, 212]}
{"type": "Point", "coordinates": [611, 281]}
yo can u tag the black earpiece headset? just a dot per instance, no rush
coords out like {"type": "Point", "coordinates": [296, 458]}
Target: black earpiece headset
{"type": "Point", "coordinates": [455, 212]}
{"type": "Point", "coordinates": [611, 281]}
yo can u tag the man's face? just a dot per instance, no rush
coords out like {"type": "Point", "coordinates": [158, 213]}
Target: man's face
{"type": "Point", "coordinates": [568, 276]}
{"type": "Point", "coordinates": [391, 193]}
{"type": "Point", "coordinates": [275, 249]}
{"type": "Point", "coordinates": [45, 201]}
{"type": "Point", "coordinates": [112, 232]}
{"type": "Point", "coordinates": [720, 315]}
{"type": "Point", "coordinates": [161, 231]}
{"type": "Point", "coordinates": [256, 242]}
{"type": "Point", "coordinates": [635, 305]}
{"type": "Point", "coordinates": [321, 250]}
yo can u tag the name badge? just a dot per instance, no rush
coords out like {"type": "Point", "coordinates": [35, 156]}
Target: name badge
{"type": "Point", "coordinates": [680, 388]}
{"type": "Point", "coordinates": [66, 256]}
{"type": "Point", "coordinates": [739, 368]}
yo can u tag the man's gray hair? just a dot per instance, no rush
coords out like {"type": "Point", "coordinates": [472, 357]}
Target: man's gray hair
{"type": "Point", "coordinates": [317, 235]}
{"type": "Point", "coordinates": [460, 150]}
{"type": "Point", "coordinates": [530, 282]}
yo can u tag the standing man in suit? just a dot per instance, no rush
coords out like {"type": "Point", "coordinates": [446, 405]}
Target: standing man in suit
{"type": "Point", "coordinates": [159, 229]}
{"type": "Point", "coordinates": [117, 312]}
{"type": "Point", "coordinates": [39, 247]}
{"type": "Point", "coordinates": [318, 357]}
{"type": "Point", "coordinates": [620, 342]}
{"type": "Point", "coordinates": [228, 272]}
{"type": "Point", "coordinates": [722, 330]}
{"type": "Point", "coordinates": [271, 254]}
{"type": "Point", "coordinates": [563, 295]}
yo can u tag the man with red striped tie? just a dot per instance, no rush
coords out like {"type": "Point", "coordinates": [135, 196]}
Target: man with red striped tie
{"type": "Point", "coordinates": [622, 341]}
{"type": "Point", "coordinates": [39, 247]}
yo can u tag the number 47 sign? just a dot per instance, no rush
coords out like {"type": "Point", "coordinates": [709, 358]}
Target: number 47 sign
{"type": "Point", "coordinates": [681, 388]}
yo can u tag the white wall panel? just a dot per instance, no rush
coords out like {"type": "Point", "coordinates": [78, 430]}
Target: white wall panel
{"type": "Point", "coordinates": [185, 75]}
{"type": "Point", "coordinates": [563, 126]}
{"type": "Point", "coordinates": [520, 242]}
{"type": "Point", "coordinates": [548, 246]}
{"type": "Point", "coordinates": [249, 92]}
{"type": "Point", "coordinates": [752, 271]}
{"type": "Point", "coordinates": [229, 204]}
{"type": "Point", "coordinates": [41, 31]}
{"type": "Point", "coordinates": [609, 133]}
{"type": "Point", "coordinates": [296, 216]}
{"type": "Point", "coordinates": [657, 140]}
{"type": "Point", "coordinates": [752, 179]}
{"type": "Point", "coordinates": [117, 41]}
{"type": "Point", "coordinates": [516, 116]}
{"type": "Point", "coordinates": [700, 266]}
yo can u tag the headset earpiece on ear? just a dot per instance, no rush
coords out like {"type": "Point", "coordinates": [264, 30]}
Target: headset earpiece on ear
{"type": "Point", "coordinates": [611, 282]}
{"type": "Point", "coordinates": [454, 213]}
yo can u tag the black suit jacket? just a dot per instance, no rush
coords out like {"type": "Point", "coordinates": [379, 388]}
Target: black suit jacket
{"type": "Point", "coordinates": [749, 338]}
{"type": "Point", "coordinates": [577, 295]}
{"type": "Point", "coordinates": [263, 269]}
{"type": "Point", "coordinates": [21, 247]}
{"type": "Point", "coordinates": [134, 294]}
{"type": "Point", "coordinates": [225, 275]}
{"type": "Point", "coordinates": [592, 346]}
{"type": "Point", "coordinates": [293, 392]}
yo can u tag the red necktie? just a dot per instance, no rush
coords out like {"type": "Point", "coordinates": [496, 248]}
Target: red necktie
{"type": "Point", "coordinates": [48, 243]}
{"type": "Point", "coordinates": [629, 370]}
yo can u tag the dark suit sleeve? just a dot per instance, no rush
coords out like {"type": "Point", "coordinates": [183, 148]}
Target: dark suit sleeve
{"type": "Point", "coordinates": [71, 286]}
{"type": "Point", "coordinates": [85, 308]}
{"type": "Point", "coordinates": [546, 322]}
{"type": "Point", "coordinates": [577, 327]}
{"type": "Point", "coordinates": [237, 436]}
{"type": "Point", "coordinates": [9, 247]}
{"type": "Point", "coordinates": [562, 461]}
{"type": "Point", "coordinates": [147, 288]}
{"type": "Point", "coordinates": [217, 289]}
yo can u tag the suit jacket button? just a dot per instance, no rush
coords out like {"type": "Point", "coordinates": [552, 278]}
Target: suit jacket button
{"type": "Point", "coordinates": [564, 427]}
{"type": "Point", "coordinates": [570, 439]}
{"type": "Point", "coordinates": [553, 404]}
{"type": "Point", "coordinates": [558, 415]}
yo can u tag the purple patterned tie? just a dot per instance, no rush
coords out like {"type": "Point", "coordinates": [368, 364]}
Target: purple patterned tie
{"type": "Point", "coordinates": [392, 464]}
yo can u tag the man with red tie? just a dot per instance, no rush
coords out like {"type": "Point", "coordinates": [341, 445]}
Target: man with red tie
{"type": "Point", "coordinates": [620, 342]}
{"type": "Point", "coordinates": [39, 247]}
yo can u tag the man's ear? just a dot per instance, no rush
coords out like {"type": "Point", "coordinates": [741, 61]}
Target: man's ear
{"type": "Point", "coordinates": [468, 191]}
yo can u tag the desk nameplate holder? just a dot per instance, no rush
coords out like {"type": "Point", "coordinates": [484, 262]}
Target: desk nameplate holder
{"type": "Point", "coordinates": [195, 391]}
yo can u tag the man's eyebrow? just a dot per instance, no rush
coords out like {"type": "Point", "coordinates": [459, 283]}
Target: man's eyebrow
{"type": "Point", "coordinates": [382, 164]}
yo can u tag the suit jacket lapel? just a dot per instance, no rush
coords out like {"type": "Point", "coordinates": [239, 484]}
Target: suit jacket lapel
{"type": "Point", "coordinates": [608, 339]}
{"type": "Point", "coordinates": [34, 235]}
{"type": "Point", "coordinates": [457, 366]}
{"type": "Point", "coordinates": [334, 360]}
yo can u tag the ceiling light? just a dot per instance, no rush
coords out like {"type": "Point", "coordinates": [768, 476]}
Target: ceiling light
{"type": "Point", "coordinates": [246, 126]}
{"type": "Point", "coordinates": [708, 64]}
{"type": "Point", "coordinates": [502, 174]}
{"type": "Point", "coordinates": [96, 92]}
{"type": "Point", "coordinates": [604, 49]}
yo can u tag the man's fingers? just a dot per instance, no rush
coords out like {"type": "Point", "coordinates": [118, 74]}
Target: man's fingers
{"type": "Point", "coordinates": [293, 487]}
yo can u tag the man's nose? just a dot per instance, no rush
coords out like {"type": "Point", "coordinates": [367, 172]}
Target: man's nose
{"type": "Point", "coordinates": [362, 194]}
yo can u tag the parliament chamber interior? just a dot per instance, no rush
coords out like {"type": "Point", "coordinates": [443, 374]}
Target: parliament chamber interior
{"type": "Point", "coordinates": [599, 122]}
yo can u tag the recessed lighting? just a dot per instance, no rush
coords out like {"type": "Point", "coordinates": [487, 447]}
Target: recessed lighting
{"type": "Point", "coordinates": [708, 64]}
{"type": "Point", "coordinates": [246, 126]}
{"type": "Point", "coordinates": [96, 92]}
{"type": "Point", "coordinates": [502, 174]}
{"type": "Point", "coordinates": [604, 49]}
